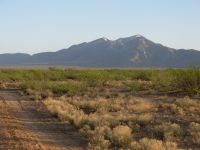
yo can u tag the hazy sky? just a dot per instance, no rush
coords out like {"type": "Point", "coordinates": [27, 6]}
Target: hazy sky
{"type": "Point", "coordinates": [48, 25]}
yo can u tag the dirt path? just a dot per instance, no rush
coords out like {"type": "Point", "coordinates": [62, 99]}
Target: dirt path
{"type": "Point", "coordinates": [26, 125]}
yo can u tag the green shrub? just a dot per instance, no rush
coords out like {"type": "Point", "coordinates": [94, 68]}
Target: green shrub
{"type": "Point", "coordinates": [66, 88]}
{"type": "Point", "coordinates": [187, 81]}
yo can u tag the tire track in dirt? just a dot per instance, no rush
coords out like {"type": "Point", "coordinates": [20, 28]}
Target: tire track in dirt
{"type": "Point", "coordinates": [26, 125]}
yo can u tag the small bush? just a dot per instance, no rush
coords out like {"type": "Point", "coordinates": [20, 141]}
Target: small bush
{"type": "Point", "coordinates": [144, 119]}
{"type": "Point", "coordinates": [140, 106]}
{"type": "Point", "coordinates": [121, 135]}
{"type": "Point", "coordinates": [186, 102]}
{"type": "Point", "coordinates": [167, 131]}
{"type": "Point", "coordinates": [99, 139]}
{"type": "Point", "coordinates": [65, 88]}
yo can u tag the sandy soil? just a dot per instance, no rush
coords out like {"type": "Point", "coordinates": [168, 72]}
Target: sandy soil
{"type": "Point", "coordinates": [26, 125]}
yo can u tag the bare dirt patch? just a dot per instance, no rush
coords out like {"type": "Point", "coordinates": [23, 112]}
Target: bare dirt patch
{"type": "Point", "coordinates": [26, 125]}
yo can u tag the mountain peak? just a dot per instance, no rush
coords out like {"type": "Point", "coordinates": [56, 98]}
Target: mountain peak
{"type": "Point", "coordinates": [105, 39]}
{"type": "Point", "coordinates": [138, 36]}
{"type": "Point", "coordinates": [101, 40]}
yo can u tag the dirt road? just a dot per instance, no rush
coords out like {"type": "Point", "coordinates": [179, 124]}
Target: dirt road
{"type": "Point", "coordinates": [26, 125]}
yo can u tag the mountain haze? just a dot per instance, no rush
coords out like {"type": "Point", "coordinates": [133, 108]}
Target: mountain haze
{"type": "Point", "coordinates": [134, 51]}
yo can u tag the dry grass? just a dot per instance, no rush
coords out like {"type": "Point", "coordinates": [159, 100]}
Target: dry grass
{"type": "Point", "coordinates": [131, 122]}
{"type": "Point", "coordinates": [153, 144]}
{"type": "Point", "coordinates": [65, 111]}
{"type": "Point", "coordinates": [194, 130]}
{"type": "Point", "coordinates": [188, 104]}
{"type": "Point", "coordinates": [101, 119]}
{"type": "Point", "coordinates": [139, 106]}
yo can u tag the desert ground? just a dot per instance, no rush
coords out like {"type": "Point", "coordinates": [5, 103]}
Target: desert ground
{"type": "Point", "coordinates": [26, 125]}
{"type": "Point", "coordinates": [147, 109]}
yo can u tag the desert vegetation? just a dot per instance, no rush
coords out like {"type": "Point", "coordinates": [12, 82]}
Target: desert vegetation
{"type": "Point", "coordinates": [131, 122]}
{"type": "Point", "coordinates": [147, 109]}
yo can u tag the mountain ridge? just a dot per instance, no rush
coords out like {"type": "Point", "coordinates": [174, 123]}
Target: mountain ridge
{"type": "Point", "coordinates": [133, 51]}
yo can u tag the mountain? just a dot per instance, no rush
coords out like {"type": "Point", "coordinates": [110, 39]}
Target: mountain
{"type": "Point", "coordinates": [14, 59]}
{"type": "Point", "coordinates": [134, 51]}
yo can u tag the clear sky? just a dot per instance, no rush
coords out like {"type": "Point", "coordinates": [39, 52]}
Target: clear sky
{"type": "Point", "coordinates": [33, 26]}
